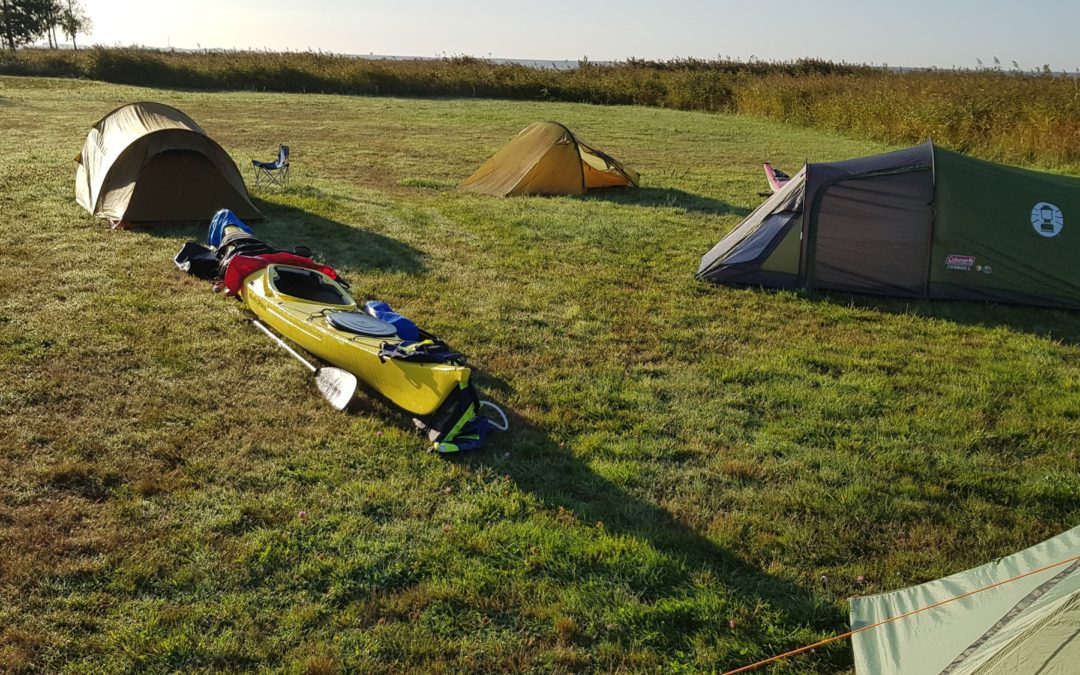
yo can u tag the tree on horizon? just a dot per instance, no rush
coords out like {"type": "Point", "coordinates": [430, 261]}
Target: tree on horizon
{"type": "Point", "coordinates": [23, 21]}
{"type": "Point", "coordinates": [74, 20]}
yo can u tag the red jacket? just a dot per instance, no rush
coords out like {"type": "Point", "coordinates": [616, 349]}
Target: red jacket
{"type": "Point", "coordinates": [243, 266]}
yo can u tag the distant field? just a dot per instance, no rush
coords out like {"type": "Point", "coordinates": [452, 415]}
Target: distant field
{"type": "Point", "coordinates": [1030, 118]}
{"type": "Point", "coordinates": [697, 477]}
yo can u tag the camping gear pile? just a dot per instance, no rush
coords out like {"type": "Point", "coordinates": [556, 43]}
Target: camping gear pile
{"type": "Point", "coordinates": [308, 303]}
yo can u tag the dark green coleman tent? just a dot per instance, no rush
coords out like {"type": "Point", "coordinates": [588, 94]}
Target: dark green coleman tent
{"type": "Point", "coordinates": [920, 223]}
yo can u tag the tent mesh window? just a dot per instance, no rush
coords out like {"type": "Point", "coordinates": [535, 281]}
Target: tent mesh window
{"type": "Point", "coordinates": [872, 234]}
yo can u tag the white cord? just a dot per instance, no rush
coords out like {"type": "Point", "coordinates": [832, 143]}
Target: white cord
{"type": "Point", "coordinates": [506, 422]}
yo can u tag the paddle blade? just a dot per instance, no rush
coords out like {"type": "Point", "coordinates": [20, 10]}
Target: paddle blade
{"type": "Point", "coordinates": [336, 385]}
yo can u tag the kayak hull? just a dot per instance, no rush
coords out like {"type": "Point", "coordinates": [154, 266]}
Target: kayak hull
{"type": "Point", "coordinates": [416, 387]}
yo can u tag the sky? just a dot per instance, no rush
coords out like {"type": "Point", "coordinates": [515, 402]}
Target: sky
{"type": "Point", "coordinates": [911, 33]}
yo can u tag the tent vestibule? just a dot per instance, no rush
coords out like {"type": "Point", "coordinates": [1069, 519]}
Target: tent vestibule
{"type": "Point", "coordinates": [920, 223]}
{"type": "Point", "coordinates": [150, 163]}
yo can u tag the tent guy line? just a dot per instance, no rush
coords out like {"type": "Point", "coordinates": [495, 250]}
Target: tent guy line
{"type": "Point", "coordinates": [835, 638]}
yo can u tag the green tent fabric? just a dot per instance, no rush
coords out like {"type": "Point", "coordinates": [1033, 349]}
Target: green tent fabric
{"type": "Point", "coordinates": [922, 222]}
{"type": "Point", "coordinates": [1027, 626]}
{"type": "Point", "coordinates": [1023, 224]}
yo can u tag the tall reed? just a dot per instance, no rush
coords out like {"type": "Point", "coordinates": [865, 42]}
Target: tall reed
{"type": "Point", "coordinates": [1022, 118]}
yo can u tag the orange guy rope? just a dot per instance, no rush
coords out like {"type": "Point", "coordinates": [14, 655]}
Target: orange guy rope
{"type": "Point", "coordinates": [848, 634]}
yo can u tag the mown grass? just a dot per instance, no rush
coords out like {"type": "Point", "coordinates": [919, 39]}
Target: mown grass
{"type": "Point", "coordinates": [1030, 118]}
{"type": "Point", "coordinates": [697, 476]}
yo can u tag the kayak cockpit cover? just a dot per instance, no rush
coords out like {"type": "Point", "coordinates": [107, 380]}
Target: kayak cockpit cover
{"type": "Point", "coordinates": [922, 222]}
{"type": "Point", "coordinates": [546, 158]}
{"type": "Point", "coordinates": [1027, 625]}
{"type": "Point", "coordinates": [151, 163]}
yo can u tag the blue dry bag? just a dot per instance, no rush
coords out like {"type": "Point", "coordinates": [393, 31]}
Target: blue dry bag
{"type": "Point", "coordinates": [406, 329]}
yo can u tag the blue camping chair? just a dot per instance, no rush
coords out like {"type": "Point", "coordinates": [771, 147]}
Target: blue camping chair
{"type": "Point", "coordinates": [273, 173]}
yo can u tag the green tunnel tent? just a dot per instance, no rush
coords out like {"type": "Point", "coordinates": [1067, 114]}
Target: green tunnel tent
{"type": "Point", "coordinates": [1027, 620]}
{"type": "Point", "coordinates": [922, 222]}
{"type": "Point", "coordinates": [150, 163]}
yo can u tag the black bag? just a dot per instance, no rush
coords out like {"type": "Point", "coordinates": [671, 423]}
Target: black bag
{"type": "Point", "coordinates": [196, 259]}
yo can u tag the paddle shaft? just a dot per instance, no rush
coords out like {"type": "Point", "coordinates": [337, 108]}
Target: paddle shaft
{"type": "Point", "coordinates": [281, 343]}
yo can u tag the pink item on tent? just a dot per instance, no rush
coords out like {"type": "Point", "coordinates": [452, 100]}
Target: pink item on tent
{"type": "Point", "coordinates": [777, 178]}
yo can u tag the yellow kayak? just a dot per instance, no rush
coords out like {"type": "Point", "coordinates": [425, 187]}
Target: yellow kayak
{"type": "Point", "coordinates": [318, 314]}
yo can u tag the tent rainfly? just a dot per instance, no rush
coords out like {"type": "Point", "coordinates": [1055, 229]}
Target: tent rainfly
{"type": "Point", "coordinates": [150, 163]}
{"type": "Point", "coordinates": [1031, 624]}
{"type": "Point", "coordinates": [920, 223]}
{"type": "Point", "coordinates": [547, 159]}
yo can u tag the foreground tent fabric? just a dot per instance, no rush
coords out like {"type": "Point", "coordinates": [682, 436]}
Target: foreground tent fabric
{"type": "Point", "coordinates": [1031, 625]}
{"type": "Point", "coordinates": [547, 159]}
{"type": "Point", "coordinates": [921, 223]}
{"type": "Point", "coordinates": [150, 163]}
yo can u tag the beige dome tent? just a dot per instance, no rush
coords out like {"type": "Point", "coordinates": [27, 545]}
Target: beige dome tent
{"type": "Point", "coordinates": [150, 163]}
{"type": "Point", "coordinates": [547, 159]}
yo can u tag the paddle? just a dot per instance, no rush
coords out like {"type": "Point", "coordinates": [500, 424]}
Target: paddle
{"type": "Point", "coordinates": [336, 385]}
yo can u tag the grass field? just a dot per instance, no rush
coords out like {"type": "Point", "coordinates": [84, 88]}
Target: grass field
{"type": "Point", "coordinates": [697, 476]}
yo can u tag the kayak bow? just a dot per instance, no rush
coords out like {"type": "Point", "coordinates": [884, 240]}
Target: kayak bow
{"type": "Point", "coordinates": [318, 314]}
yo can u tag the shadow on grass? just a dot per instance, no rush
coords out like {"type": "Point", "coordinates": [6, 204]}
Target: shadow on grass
{"type": "Point", "coordinates": [1059, 325]}
{"type": "Point", "coordinates": [666, 197]}
{"type": "Point", "coordinates": [335, 243]}
{"type": "Point", "coordinates": [338, 244]}
{"type": "Point", "coordinates": [546, 469]}
{"type": "Point", "coordinates": [543, 467]}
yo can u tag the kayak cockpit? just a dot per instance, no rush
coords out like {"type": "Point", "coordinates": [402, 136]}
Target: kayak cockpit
{"type": "Point", "coordinates": [306, 284]}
